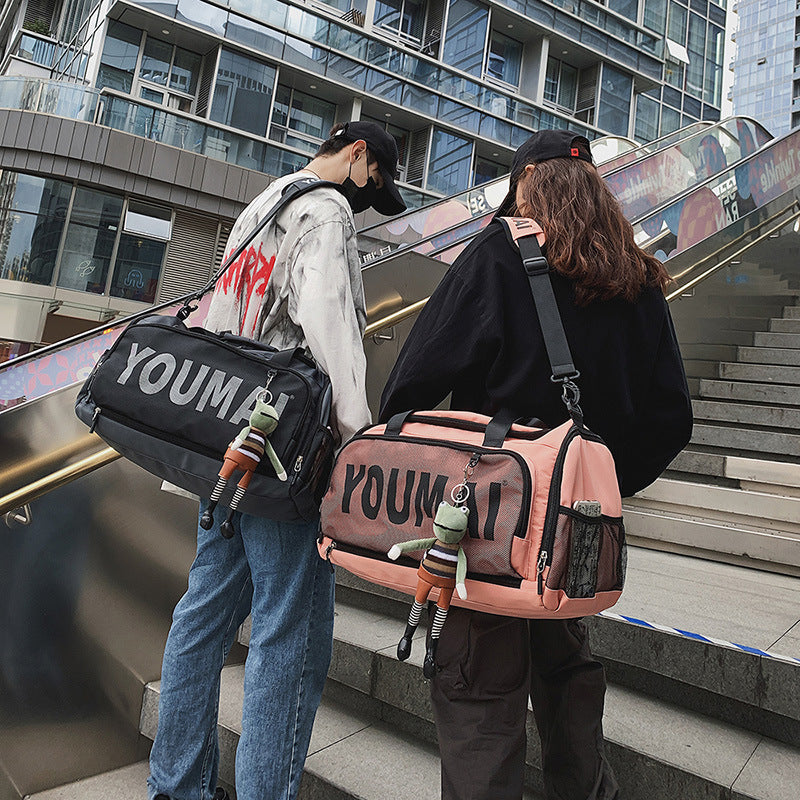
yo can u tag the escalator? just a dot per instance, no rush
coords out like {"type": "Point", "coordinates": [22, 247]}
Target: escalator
{"type": "Point", "coordinates": [94, 559]}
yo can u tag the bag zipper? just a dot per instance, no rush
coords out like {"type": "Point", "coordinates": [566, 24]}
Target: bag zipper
{"type": "Point", "coordinates": [408, 561]}
{"type": "Point", "coordinates": [144, 428]}
{"type": "Point", "coordinates": [469, 425]}
{"type": "Point", "coordinates": [526, 478]}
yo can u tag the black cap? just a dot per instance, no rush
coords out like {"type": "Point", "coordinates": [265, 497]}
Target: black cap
{"type": "Point", "coordinates": [383, 146]}
{"type": "Point", "coordinates": [543, 146]}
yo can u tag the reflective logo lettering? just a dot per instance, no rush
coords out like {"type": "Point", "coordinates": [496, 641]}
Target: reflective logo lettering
{"type": "Point", "coordinates": [219, 393]}
{"type": "Point", "coordinates": [149, 386]}
{"type": "Point", "coordinates": [134, 359]}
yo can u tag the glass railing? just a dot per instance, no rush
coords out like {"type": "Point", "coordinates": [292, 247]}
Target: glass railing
{"type": "Point", "coordinates": [628, 50]}
{"type": "Point", "coordinates": [723, 199]}
{"type": "Point", "coordinates": [640, 186]}
{"type": "Point", "coordinates": [50, 97]}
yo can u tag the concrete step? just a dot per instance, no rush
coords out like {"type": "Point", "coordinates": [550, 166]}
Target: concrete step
{"type": "Point", "coordinates": [700, 369]}
{"type": "Point", "coordinates": [760, 373]}
{"type": "Point", "coordinates": [776, 340]}
{"type": "Point", "coordinates": [785, 325]}
{"type": "Point", "coordinates": [735, 506]}
{"type": "Point", "coordinates": [767, 355]}
{"type": "Point", "coordinates": [747, 440]}
{"type": "Point", "coordinates": [772, 394]}
{"type": "Point", "coordinates": [724, 336]}
{"type": "Point", "coordinates": [643, 732]}
{"type": "Point", "coordinates": [709, 352]}
{"type": "Point", "coordinates": [749, 415]}
{"type": "Point", "coordinates": [764, 475]}
{"type": "Point", "coordinates": [791, 312]}
{"type": "Point", "coordinates": [351, 755]}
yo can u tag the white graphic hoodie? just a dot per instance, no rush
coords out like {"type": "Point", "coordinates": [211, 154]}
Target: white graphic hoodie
{"type": "Point", "coordinates": [298, 284]}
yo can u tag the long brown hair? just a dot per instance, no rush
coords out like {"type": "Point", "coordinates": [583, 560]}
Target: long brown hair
{"type": "Point", "coordinates": [588, 238]}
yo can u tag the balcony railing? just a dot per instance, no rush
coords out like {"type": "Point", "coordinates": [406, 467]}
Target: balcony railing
{"type": "Point", "coordinates": [122, 113]}
{"type": "Point", "coordinates": [38, 49]}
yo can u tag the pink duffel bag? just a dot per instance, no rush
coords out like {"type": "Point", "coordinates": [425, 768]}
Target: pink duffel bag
{"type": "Point", "coordinates": [544, 537]}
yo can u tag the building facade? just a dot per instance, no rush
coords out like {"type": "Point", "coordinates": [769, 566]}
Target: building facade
{"type": "Point", "coordinates": [257, 84]}
{"type": "Point", "coordinates": [766, 66]}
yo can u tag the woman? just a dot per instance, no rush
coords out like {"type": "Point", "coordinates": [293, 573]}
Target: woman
{"type": "Point", "coordinates": [479, 339]}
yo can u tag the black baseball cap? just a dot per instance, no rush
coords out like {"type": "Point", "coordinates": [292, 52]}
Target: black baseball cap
{"type": "Point", "coordinates": [543, 146]}
{"type": "Point", "coordinates": [383, 146]}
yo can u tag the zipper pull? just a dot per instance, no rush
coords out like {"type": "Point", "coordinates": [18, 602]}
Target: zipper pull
{"type": "Point", "coordinates": [298, 465]}
{"type": "Point", "coordinates": [542, 563]}
{"type": "Point", "coordinates": [328, 554]}
{"type": "Point", "coordinates": [95, 415]}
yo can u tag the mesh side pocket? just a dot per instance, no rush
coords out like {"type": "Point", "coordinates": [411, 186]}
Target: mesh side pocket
{"type": "Point", "coordinates": [589, 555]}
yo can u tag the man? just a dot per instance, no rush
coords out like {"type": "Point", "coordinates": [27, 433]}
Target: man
{"type": "Point", "coordinates": [297, 284]}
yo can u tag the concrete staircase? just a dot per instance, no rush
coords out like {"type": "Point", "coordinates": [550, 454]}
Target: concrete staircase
{"type": "Point", "coordinates": [735, 490]}
{"type": "Point", "coordinates": [686, 718]}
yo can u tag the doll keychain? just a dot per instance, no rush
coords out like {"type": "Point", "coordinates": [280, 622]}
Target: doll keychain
{"type": "Point", "coordinates": [244, 453]}
{"type": "Point", "coordinates": [443, 566]}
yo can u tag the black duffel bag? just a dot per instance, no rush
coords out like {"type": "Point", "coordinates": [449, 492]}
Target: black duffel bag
{"type": "Point", "coordinates": [171, 398]}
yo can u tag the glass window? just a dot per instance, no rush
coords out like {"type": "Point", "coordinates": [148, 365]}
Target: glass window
{"type": "Point", "coordinates": [148, 220]}
{"type": "Point", "coordinates": [32, 213]}
{"type": "Point", "coordinates": [401, 16]}
{"type": "Point", "coordinates": [655, 15]}
{"type": "Point", "coordinates": [89, 241]}
{"type": "Point", "coordinates": [301, 120]}
{"type": "Point", "coordinates": [137, 268]}
{"type": "Point", "coordinates": [504, 58]}
{"type": "Point", "coordinates": [450, 162]}
{"type": "Point", "coordinates": [120, 54]}
{"type": "Point", "coordinates": [185, 70]}
{"type": "Point", "coordinates": [255, 35]}
{"type": "Point", "coordinates": [561, 84]}
{"type": "Point", "coordinates": [155, 61]}
{"type": "Point", "coordinates": [628, 8]}
{"type": "Point", "coordinates": [673, 73]}
{"type": "Point", "coordinates": [465, 38]}
{"type": "Point", "coordinates": [243, 92]}
{"type": "Point", "coordinates": [676, 30]}
{"type": "Point", "coordinates": [670, 120]}
{"type": "Point", "coordinates": [613, 109]}
{"type": "Point", "coordinates": [646, 125]}
{"type": "Point", "coordinates": [154, 96]}
{"type": "Point", "coordinates": [486, 170]}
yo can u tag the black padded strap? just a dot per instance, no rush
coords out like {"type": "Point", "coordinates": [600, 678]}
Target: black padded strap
{"type": "Point", "coordinates": [498, 427]}
{"type": "Point", "coordinates": [555, 339]}
{"type": "Point", "coordinates": [395, 424]}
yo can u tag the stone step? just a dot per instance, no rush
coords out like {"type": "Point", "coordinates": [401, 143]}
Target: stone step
{"type": "Point", "coordinates": [750, 415]}
{"type": "Point", "coordinates": [747, 440]}
{"type": "Point", "coordinates": [724, 336]}
{"type": "Point", "coordinates": [767, 355]}
{"type": "Point", "coordinates": [791, 312]}
{"type": "Point", "coordinates": [772, 394]}
{"type": "Point", "coordinates": [351, 755]}
{"type": "Point", "coordinates": [686, 532]}
{"type": "Point", "coordinates": [709, 352]}
{"type": "Point", "coordinates": [737, 507]}
{"type": "Point", "coordinates": [643, 732]}
{"type": "Point", "coordinates": [760, 373]}
{"type": "Point", "coordinates": [775, 340]}
{"type": "Point", "coordinates": [765, 475]}
{"type": "Point", "coordinates": [700, 369]}
{"type": "Point", "coordinates": [785, 325]}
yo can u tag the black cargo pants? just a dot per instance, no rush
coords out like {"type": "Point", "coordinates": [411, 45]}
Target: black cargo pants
{"type": "Point", "coordinates": [486, 668]}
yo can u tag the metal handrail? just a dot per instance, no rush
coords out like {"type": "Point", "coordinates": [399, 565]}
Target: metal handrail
{"type": "Point", "coordinates": [26, 494]}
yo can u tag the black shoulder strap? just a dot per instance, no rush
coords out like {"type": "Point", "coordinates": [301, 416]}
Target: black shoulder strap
{"type": "Point", "coordinates": [289, 193]}
{"type": "Point", "coordinates": [523, 232]}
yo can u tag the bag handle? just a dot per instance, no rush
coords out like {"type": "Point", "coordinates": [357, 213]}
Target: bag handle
{"type": "Point", "coordinates": [524, 233]}
{"type": "Point", "coordinates": [289, 193]}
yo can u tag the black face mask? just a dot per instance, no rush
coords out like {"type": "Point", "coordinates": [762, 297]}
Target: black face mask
{"type": "Point", "coordinates": [359, 197]}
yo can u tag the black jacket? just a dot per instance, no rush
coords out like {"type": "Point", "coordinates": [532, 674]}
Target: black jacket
{"type": "Point", "coordinates": [479, 338]}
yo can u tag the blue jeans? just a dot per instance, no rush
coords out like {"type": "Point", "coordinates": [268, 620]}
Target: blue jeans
{"type": "Point", "coordinates": [273, 569]}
